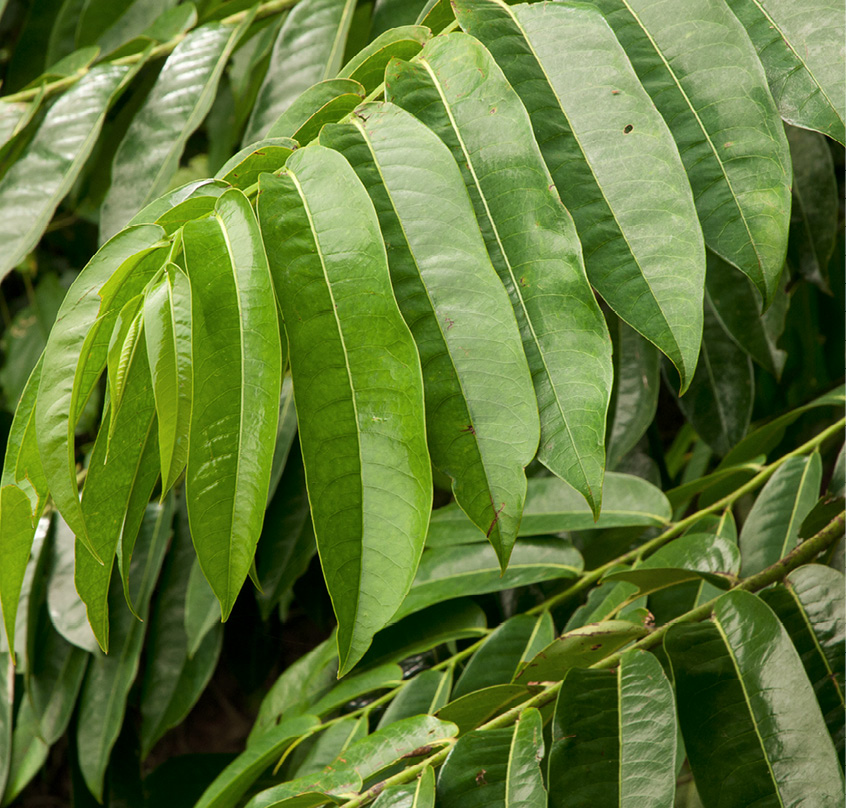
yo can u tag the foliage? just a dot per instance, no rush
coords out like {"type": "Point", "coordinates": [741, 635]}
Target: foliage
{"type": "Point", "coordinates": [548, 294]}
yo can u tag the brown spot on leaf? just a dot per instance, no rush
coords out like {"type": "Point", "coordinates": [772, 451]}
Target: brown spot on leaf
{"type": "Point", "coordinates": [480, 778]}
{"type": "Point", "coordinates": [596, 647]}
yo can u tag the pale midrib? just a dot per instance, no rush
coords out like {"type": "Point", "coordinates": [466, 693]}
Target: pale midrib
{"type": "Point", "coordinates": [340, 33]}
{"type": "Point", "coordinates": [516, 286]}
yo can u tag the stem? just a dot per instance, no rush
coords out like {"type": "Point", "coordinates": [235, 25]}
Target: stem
{"type": "Point", "coordinates": [268, 9]}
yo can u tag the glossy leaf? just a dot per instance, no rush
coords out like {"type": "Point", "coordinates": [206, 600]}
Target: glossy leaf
{"type": "Point", "coordinates": [801, 48]}
{"type": "Point", "coordinates": [322, 748]}
{"type": "Point", "coordinates": [149, 153]}
{"type": "Point", "coordinates": [368, 65]}
{"type": "Point", "coordinates": [325, 102]}
{"type": "Point", "coordinates": [331, 276]}
{"type": "Point", "coordinates": [177, 207]}
{"type": "Point", "coordinates": [425, 694]}
{"type": "Point", "coordinates": [33, 187]}
{"type": "Point", "coordinates": [614, 737]}
{"type": "Point", "coordinates": [452, 572]}
{"type": "Point", "coordinates": [552, 506]}
{"type": "Point", "coordinates": [456, 88]}
{"type": "Point", "coordinates": [384, 677]}
{"type": "Point", "coordinates": [752, 728]}
{"type": "Point", "coordinates": [112, 24]}
{"type": "Point", "coordinates": [614, 163]}
{"type": "Point", "coordinates": [771, 530]}
{"type": "Point", "coordinates": [481, 434]}
{"type": "Point", "coordinates": [236, 382]}
{"type": "Point", "coordinates": [474, 709]}
{"type": "Point", "coordinates": [16, 535]}
{"type": "Point", "coordinates": [579, 648]}
{"type": "Point", "coordinates": [498, 768]}
{"type": "Point", "coordinates": [810, 606]}
{"type": "Point", "coordinates": [419, 795]}
{"type": "Point", "coordinates": [243, 169]}
{"type": "Point", "coordinates": [308, 49]}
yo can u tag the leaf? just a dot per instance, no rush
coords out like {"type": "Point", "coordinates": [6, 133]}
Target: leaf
{"type": "Point", "coordinates": [368, 65]}
{"type": "Point", "coordinates": [33, 187]}
{"type": "Point", "coordinates": [751, 725]}
{"type": "Point", "coordinates": [7, 704]}
{"type": "Point", "coordinates": [457, 90]}
{"type": "Point", "coordinates": [102, 703]}
{"type": "Point", "coordinates": [243, 169]}
{"type": "Point", "coordinates": [424, 694]}
{"type": "Point", "coordinates": [149, 153]}
{"type": "Point", "coordinates": [29, 753]}
{"type": "Point", "coordinates": [308, 49]}
{"type": "Point", "coordinates": [634, 398]}
{"type": "Point", "coordinates": [481, 434]}
{"type": "Point", "coordinates": [384, 677]}
{"type": "Point", "coordinates": [122, 346]}
{"type": "Point", "coordinates": [518, 639]}
{"type": "Point", "coordinates": [499, 768]}
{"type": "Point", "coordinates": [771, 529]}
{"type": "Point", "coordinates": [608, 601]}
{"type": "Point", "coordinates": [167, 334]}
{"type": "Point", "coordinates": [201, 611]}
{"type": "Point", "coordinates": [718, 403]}
{"type": "Point", "coordinates": [813, 219]}
{"type": "Point", "coordinates": [724, 121]}
{"type": "Point", "coordinates": [614, 163]}
{"type": "Point", "coordinates": [325, 102]}
{"type": "Point", "coordinates": [233, 421]}
{"type": "Point", "coordinates": [111, 24]}
{"type": "Point", "coordinates": [810, 606]}
{"type": "Point", "coordinates": [76, 354]}
{"type": "Point", "coordinates": [320, 749]}
{"type": "Point", "coordinates": [361, 393]}
{"type": "Point", "coordinates": [419, 795]}
{"type": "Point", "coordinates": [552, 506]}
{"type": "Point", "coordinates": [178, 207]}
{"type": "Point", "coordinates": [579, 648]}
{"type": "Point", "coordinates": [614, 737]}
{"type": "Point", "coordinates": [16, 535]}
{"type": "Point", "coordinates": [285, 432]}
{"type": "Point", "coordinates": [235, 780]}
{"type": "Point", "coordinates": [389, 14]}
{"type": "Point", "coordinates": [476, 708]}
{"type": "Point", "coordinates": [452, 572]}
{"type": "Point", "coordinates": [801, 49]}
{"type": "Point", "coordinates": [735, 305]}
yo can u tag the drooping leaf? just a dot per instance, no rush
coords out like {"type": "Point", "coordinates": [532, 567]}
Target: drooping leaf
{"type": "Point", "coordinates": [718, 403]}
{"type": "Point", "coordinates": [552, 506]}
{"type": "Point", "coordinates": [481, 433]}
{"type": "Point", "coordinates": [771, 529]}
{"type": "Point", "coordinates": [752, 728]}
{"type": "Point", "coordinates": [201, 610]}
{"type": "Point", "coordinates": [474, 709]}
{"type": "Point", "coordinates": [7, 707]}
{"type": "Point", "coordinates": [810, 606]}
{"type": "Point", "coordinates": [29, 753]}
{"type": "Point", "coordinates": [368, 66]}
{"type": "Point", "coordinates": [16, 535]}
{"type": "Point", "coordinates": [325, 102]}
{"type": "Point", "coordinates": [76, 355]}
{"type": "Point", "coordinates": [425, 694]}
{"type": "Point", "coordinates": [614, 163]}
{"type": "Point", "coordinates": [473, 569]}
{"type": "Point", "coordinates": [579, 648]}
{"type": "Point", "coordinates": [308, 49]}
{"type": "Point", "coordinates": [111, 24]}
{"type": "Point", "coordinates": [457, 89]}
{"type": "Point", "coordinates": [498, 768]}
{"type": "Point", "coordinates": [237, 376]}
{"type": "Point", "coordinates": [121, 353]}
{"type": "Point", "coordinates": [801, 48]}
{"type": "Point", "coordinates": [149, 153]}
{"type": "Point", "coordinates": [33, 187]}
{"type": "Point", "coordinates": [614, 737]}
{"type": "Point", "coordinates": [331, 276]}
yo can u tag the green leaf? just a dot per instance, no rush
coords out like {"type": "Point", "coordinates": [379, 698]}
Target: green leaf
{"type": "Point", "coordinates": [121, 354]}
{"type": "Point", "coordinates": [476, 708]}
{"type": "Point", "coordinates": [608, 601]}
{"type": "Point", "coordinates": [149, 153]}
{"type": "Point", "coordinates": [325, 102]}
{"type": "Point", "coordinates": [243, 169]}
{"type": "Point", "coordinates": [614, 163]}
{"type": "Point", "coordinates": [579, 648]}
{"type": "Point", "coordinates": [285, 432]}
{"type": "Point", "coordinates": [752, 728]}
{"type": "Point", "coordinates": [201, 611]}
{"type": "Point", "coordinates": [481, 433]}
{"type": "Point", "coordinates": [419, 795]}
{"type": "Point", "coordinates": [801, 48]}
{"type": "Point", "coordinates": [473, 569]}
{"type": "Point", "coordinates": [385, 677]}
{"type": "Point", "coordinates": [810, 605]}
{"type": "Point", "coordinates": [425, 694]}
{"type": "Point", "coordinates": [235, 780]}
{"type": "Point", "coordinates": [7, 704]}
{"type": "Point", "coordinates": [180, 206]}
{"type": "Point", "coordinates": [368, 65]}
{"type": "Point", "coordinates": [771, 529]}
{"type": "Point", "coordinates": [76, 354]}
{"type": "Point", "coordinates": [736, 306]}
{"type": "Point", "coordinates": [552, 506]}
{"type": "Point", "coordinates": [457, 89]}
{"type": "Point", "coordinates": [33, 187]}
{"type": "Point", "coordinates": [718, 403]}
{"type": "Point", "coordinates": [813, 217]}
{"type": "Point", "coordinates": [237, 373]}
{"type": "Point", "coordinates": [322, 748]}
{"type": "Point", "coordinates": [112, 24]}
{"type": "Point", "coordinates": [614, 737]}
{"type": "Point", "coordinates": [389, 14]}
{"type": "Point", "coordinates": [308, 49]}
{"type": "Point", "coordinates": [724, 121]}
{"type": "Point", "coordinates": [498, 768]}
{"type": "Point", "coordinates": [167, 333]}
{"type": "Point", "coordinates": [634, 398]}
{"type": "Point", "coordinates": [102, 703]}
{"type": "Point", "coordinates": [16, 535]}
{"type": "Point", "coordinates": [29, 753]}
{"type": "Point", "coordinates": [515, 641]}
{"type": "Point", "coordinates": [361, 393]}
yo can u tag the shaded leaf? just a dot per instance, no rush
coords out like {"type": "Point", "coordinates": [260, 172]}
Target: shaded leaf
{"type": "Point", "coordinates": [419, 795]}
{"type": "Point", "coordinates": [474, 709]}
{"type": "Point", "coordinates": [368, 66]}
{"type": "Point", "coordinates": [424, 694]}
{"type": "Point", "coordinates": [16, 535]}
{"type": "Point", "coordinates": [325, 102]}
{"type": "Point", "coordinates": [242, 170]}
